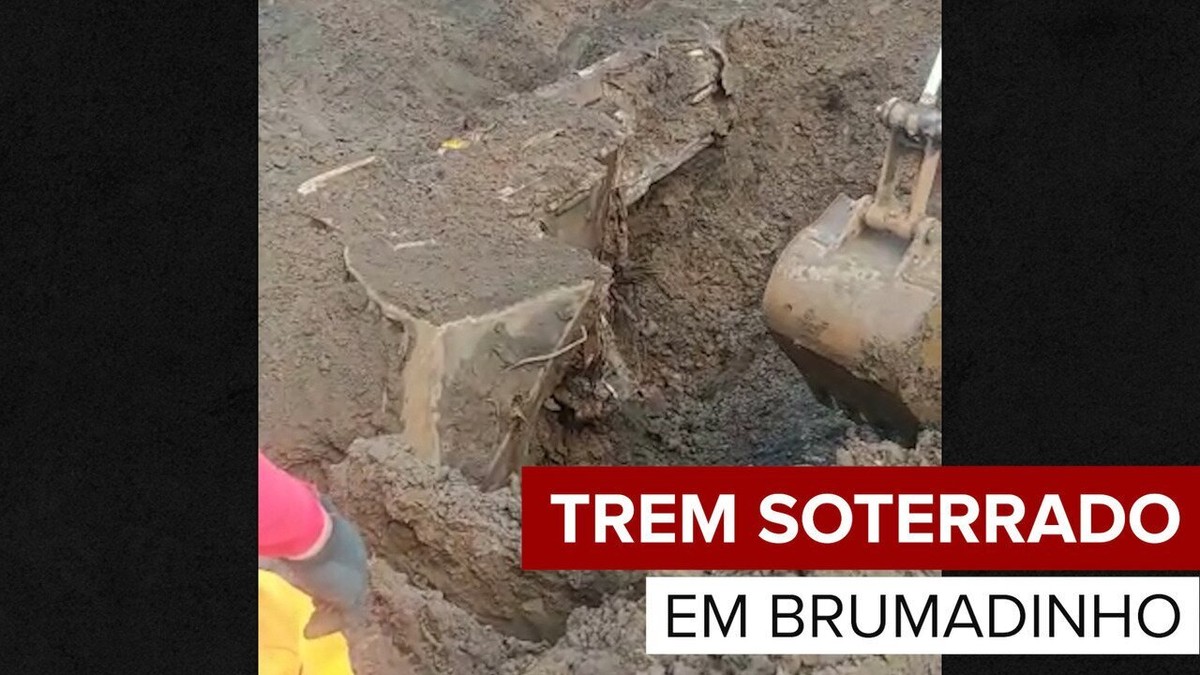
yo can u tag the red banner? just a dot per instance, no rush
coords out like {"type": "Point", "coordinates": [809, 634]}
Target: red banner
{"type": "Point", "coordinates": [861, 518]}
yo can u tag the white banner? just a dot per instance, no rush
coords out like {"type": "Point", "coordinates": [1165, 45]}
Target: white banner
{"type": "Point", "coordinates": [922, 615]}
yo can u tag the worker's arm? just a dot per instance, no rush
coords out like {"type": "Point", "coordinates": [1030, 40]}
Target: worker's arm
{"type": "Point", "coordinates": [325, 553]}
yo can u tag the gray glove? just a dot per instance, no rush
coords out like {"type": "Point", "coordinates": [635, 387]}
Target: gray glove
{"type": "Point", "coordinates": [336, 577]}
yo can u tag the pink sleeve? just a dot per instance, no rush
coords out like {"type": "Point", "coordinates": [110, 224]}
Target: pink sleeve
{"type": "Point", "coordinates": [290, 516]}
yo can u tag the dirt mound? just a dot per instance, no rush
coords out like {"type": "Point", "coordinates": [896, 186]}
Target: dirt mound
{"type": "Point", "coordinates": [437, 527]}
{"type": "Point", "coordinates": [439, 630]}
{"type": "Point", "coordinates": [436, 635]}
{"type": "Point", "coordinates": [611, 638]}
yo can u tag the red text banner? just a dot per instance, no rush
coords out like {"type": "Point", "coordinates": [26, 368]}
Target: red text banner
{"type": "Point", "coordinates": [861, 518]}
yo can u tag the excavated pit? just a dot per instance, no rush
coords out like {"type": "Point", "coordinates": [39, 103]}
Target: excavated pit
{"type": "Point", "coordinates": [419, 339]}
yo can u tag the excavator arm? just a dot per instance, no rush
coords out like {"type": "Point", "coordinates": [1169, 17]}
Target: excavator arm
{"type": "Point", "coordinates": [855, 299]}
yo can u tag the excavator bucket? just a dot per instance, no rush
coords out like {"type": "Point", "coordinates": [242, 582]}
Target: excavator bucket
{"type": "Point", "coordinates": [855, 300]}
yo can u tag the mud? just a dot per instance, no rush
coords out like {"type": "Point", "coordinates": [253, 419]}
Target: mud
{"type": "Point", "coordinates": [552, 161]}
{"type": "Point", "coordinates": [712, 387]}
{"type": "Point", "coordinates": [689, 374]}
{"type": "Point", "coordinates": [437, 527]}
{"type": "Point", "coordinates": [346, 79]}
{"type": "Point", "coordinates": [467, 623]}
{"type": "Point", "coordinates": [340, 80]}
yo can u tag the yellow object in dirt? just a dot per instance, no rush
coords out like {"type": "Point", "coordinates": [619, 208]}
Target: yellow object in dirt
{"type": "Point", "coordinates": [453, 144]}
{"type": "Point", "coordinates": [283, 611]}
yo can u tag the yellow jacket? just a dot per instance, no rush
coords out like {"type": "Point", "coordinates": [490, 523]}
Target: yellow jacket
{"type": "Point", "coordinates": [283, 611]}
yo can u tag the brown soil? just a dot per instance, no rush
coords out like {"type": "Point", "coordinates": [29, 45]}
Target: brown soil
{"type": "Point", "coordinates": [714, 389]}
{"type": "Point", "coordinates": [343, 79]}
{"type": "Point", "coordinates": [340, 80]}
{"type": "Point", "coordinates": [449, 592]}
